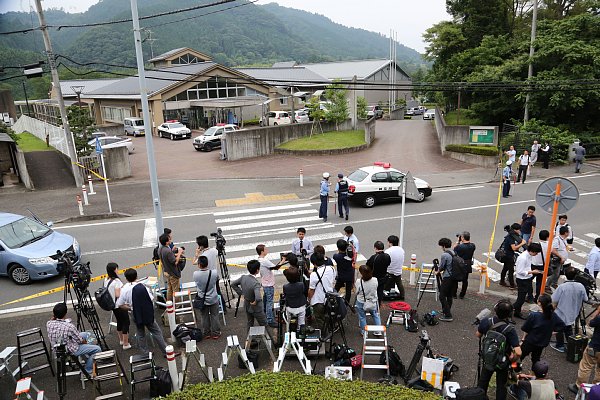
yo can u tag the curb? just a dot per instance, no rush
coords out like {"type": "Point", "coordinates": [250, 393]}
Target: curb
{"type": "Point", "coordinates": [94, 217]}
{"type": "Point", "coordinates": [344, 150]}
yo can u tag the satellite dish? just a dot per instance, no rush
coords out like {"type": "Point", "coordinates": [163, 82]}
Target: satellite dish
{"type": "Point", "coordinates": [546, 194]}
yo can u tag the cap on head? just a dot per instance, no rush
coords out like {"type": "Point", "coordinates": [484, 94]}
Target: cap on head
{"type": "Point", "coordinates": [325, 175]}
{"type": "Point", "coordinates": [509, 162]}
{"type": "Point", "coordinates": [594, 393]}
{"type": "Point", "coordinates": [540, 369]}
{"type": "Point", "coordinates": [340, 175]}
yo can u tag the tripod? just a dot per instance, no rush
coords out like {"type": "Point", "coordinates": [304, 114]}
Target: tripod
{"type": "Point", "coordinates": [226, 279]}
{"type": "Point", "coordinates": [581, 318]}
{"type": "Point", "coordinates": [424, 344]}
{"type": "Point", "coordinates": [433, 269]}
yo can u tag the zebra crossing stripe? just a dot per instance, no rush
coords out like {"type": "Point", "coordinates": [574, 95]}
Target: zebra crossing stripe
{"type": "Point", "coordinates": [592, 235]}
{"type": "Point", "coordinates": [261, 209]}
{"type": "Point", "coordinates": [275, 257]}
{"type": "Point", "coordinates": [265, 216]}
{"type": "Point", "coordinates": [269, 223]}
{"type": "Point", "coordinates": [583, 243]}
{"type": "Point", "coordinates": [281, 242]}
{"type": "Point", "coordinates": [276, 231]}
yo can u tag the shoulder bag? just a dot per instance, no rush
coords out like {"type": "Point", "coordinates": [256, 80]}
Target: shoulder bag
{"type": "Point", "coordinates": [368, 305]}
{"type": "Point", "coordinates": [198, 302]}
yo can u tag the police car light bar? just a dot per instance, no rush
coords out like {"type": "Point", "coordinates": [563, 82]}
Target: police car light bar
{"type": "Point", "coordinates": [382, 164]}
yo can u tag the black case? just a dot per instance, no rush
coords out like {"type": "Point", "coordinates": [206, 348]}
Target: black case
{"type": "Point", "coordinates": [575, 347]}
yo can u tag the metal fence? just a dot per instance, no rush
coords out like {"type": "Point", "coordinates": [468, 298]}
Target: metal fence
{"type": "Point", "coordinates": [41, 129]}
{"type": "Point", "coordinates": [92, 163]}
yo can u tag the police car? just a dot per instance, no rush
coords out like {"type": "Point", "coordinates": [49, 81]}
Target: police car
{"type": "Point", "coordinates": [380, 182]}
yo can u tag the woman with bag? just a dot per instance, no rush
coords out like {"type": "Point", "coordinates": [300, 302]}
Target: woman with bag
{"type": "Point", "coordinates": [207, 301]}
{"type": "Point", "coordinates": [366, 298]}
{"type": "Point", "coordinates": [114, 284]}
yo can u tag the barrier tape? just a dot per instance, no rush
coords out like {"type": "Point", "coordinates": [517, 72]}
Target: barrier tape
{"type": "Point", "coordinates": [91, 171]}
{"type": "Point", "coordinates": [61, 288]}
{"type": "Point", "coordinates": [491, 245]}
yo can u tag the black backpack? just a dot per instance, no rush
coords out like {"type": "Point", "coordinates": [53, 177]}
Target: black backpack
{"type": "Point", "coordinates": [104, 299]}
{"type": "Point", "coordinates": [459, 267]}
{"type": "Point", "coordinates": [411, 322]}
{"type": "Point", "coordinates": [155, 256]}
{"type": "Point", "coordinates": [493, 346]}
{"type": "Point", "coordinates": [395, 362]}
{"type": "Point", "coordinates": [335, 305]}
{"type": "Point", "coordinates": [161, 385]}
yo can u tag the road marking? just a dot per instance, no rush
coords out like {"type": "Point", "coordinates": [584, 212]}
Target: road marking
{"type": "Point", "coordinates": [278, 231]}
{"type": "Point", "coordinates": [261, 209]}
{"type": "Point", "coordinates": [592, 235]}
{"type": "Point", "coordinates": [149, 233]}
{"type": "Point", "coordinates": [458, 188]}
{"type": "Point", "coordinates": [275, 256]}
{"type": "Point", "coordinates": [264, 216]}
{"type": "Point", "coordinates": [492, 274]}
{"type": "Point", "coordinates": [252, 198]}
{"type": "Point", "coordinates": [281, 242]}
{"type": "Point", "coordinates": [269, 223]}
{"type": "Point", "coordinates": [583, 243]}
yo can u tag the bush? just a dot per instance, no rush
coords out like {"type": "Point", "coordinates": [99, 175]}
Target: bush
{"type": "Point", "coordinates": [293, 385]}
{"type": "Point", "coordinates": [249, 122]}
{"type": "Point", "coordinates": [479, 150]}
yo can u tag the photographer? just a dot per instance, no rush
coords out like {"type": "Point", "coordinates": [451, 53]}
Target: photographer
{"type": "Point", "coordinates": [170, 262]}
{"type": "Point", "coordinates": [321, 282]}
{"type": "Point", "coordinates": [212, 255]}
{"type": "Point", "coordinates": [524, 274]}
{"type": "Point", "coordinates": [379, 263]}
{"type": "Point", "coordinates": [267, 280]}
{"type": "Point", "coordinates": [464, 249]}
{"type": "Point", "coordinates": [568, 299]}
{"type": "Point", "coordinates": [206, 284]}
{"type": "Point", "coordinates": [295, 299]}
{"type": "Point", "coordinates": [591, 355]}
{"type": "Point", "coordinates": [320, 252]}
{"type": "Point", "coordinates": [448, 285]}
{"type": "Point", "coordinates": [512, 243]}
{"type": "Point", "coordinates": [536, 387]}
{"type": "Point", "coordinates": [345, 271]}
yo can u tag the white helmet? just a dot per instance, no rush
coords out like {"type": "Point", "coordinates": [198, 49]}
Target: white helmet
{"type": "Point", "coordinates": [325, 175]}
{"type": "Point", "coordinates": [509, 163]}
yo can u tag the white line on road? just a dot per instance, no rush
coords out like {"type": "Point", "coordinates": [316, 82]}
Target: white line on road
{"type": "Point", "coordinates": [281, 242]}
{"type": "Point", "coordinates": [269, 223]}
{"type": "Point", "coordinates": [260, 209]}
{"type": "Point", "coordinates": [264, 216]}
{"type": "Point", "coordinates": [458, 188]}
{"type": "Point", "coordinates": [592, 235]}
{"type": "Point", "coordinates": [582, 242]}
{"type": "Point", "coordinates": [277, 231]}
{"type": "Point", "coordinates": [149, 233]}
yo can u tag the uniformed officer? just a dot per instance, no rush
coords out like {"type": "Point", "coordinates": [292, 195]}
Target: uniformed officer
{"type": "Point", "coordinates": [324, 194]}
{"type": "Point", "coordinates": [341, 188]}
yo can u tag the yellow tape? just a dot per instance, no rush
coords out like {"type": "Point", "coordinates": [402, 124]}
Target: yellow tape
{"type": "Point", "coordinates": [61, 288]}
{"type": "Point", "coordinates": [491, 245]}
{"type": "Point", "coordinates": [91, 171]}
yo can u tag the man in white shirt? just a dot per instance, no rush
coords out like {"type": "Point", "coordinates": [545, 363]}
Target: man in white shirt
{"type": "Point", "coordinates": [394, 277]}
{"type": "Point", "coordinates": [523, 273]}
{"type": "Point", "coordinates": [212, 255]}
{"type": "Point", "coordinates": [592, 266]}
{"type": "Point", "coordinates": [302, 245]}
{"type": "Point", "coordinates": [561, 255]}
{"type": "Point", "coordinates": [322, 280]}
{"type": "Point", "coordinates": [512, 154]}
{"type": "Point", "coordinates": [350, 237]}
{"type": "Point", "coordinates": [523, 166]}
{"type": "Point", "coordinates": [537, 263]}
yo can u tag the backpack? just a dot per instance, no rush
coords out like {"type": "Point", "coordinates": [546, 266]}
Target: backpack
{"type": "Point", "coordinates": [474, 393]}
{"type": "Point", "coordinates": [493, 347]}
{"type": "Point", "coordinates": [335, 305]}
{"type": "Point", "coordinates": [500, 254]}
{"type": "Point", "coordinates": [155, 256]}
{"type": "Point", "coordinates": [161, 384]}
{"type": "Point", "coordinates": [395, 363]}
{"type": "Point", "coordinates": [410, 323]}
{"type": "Point", "coordinates": [104, 299]}
{"type": "Point", "coordinates": [459, 267]}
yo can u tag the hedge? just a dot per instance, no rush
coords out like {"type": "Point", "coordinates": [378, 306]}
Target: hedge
{"type": "Point", "coordinates": [294, 385]}
{"type": "Point", "coordinates": [479, 150]}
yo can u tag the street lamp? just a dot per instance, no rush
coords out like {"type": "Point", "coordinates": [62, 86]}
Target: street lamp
{"type": "Point", "coordinates": [78, 90]}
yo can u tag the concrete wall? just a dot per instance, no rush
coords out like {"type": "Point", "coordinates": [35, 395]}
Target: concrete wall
{"type": "Point", "coordinates": [23, 174]}
{"type": "Point", "coordinates": [256, 142]}
{"type": "Point", "coordinates": [475, 159]}
{"type": "Point", "coordinates": [40, 129]}
{"type": "Point", "coordinates": [112, 129]}
{"type": "Point", "coordinates": [449, 134]}
{"type": "Point", "coordinates": [117, 163]}
{"type": "Point", "coordinates": [397, 114]}
{"type": "Point", "coordinates": [369, 127]}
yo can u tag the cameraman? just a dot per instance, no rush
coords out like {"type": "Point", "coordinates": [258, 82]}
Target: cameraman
{"type": "Point", "coordinates": [591, 355]}
{"type": "Point", "coordinates": [170, 263]}
{"type": "Point", "coordinates": [464, 249]}
{"type": "Point", "coordinates": [379, 263]}
{"type": "Point", "coordinates": [320, 252]}
{"type": "Point", "coordinates": [212, 255]}
{"type": "Point", "coordinates": [448, 285]}
{"type": "Point", "coordinates": [512, 243]}
{"type": "Point", "coordinates": [321, 282]}
{"type": "Point", "coordinates": [568, 299]}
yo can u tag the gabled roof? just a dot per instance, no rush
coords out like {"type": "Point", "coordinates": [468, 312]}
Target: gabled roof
{"type": "Point", "coordinates": [284, 64]}
{"type": "Point", "coordinates": [346, 70]}
{"type": "Point", "coordinates": [156, 81]}
{"type": "Point", "coordinates": [285, 76]}
{"type": "Point", "coordinates": [89, 85]}
{"type": "Point", "coordinates": [176, 52]}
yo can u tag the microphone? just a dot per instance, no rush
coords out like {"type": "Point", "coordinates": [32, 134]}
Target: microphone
{"type": "Point", "coordinates": [483, 314]}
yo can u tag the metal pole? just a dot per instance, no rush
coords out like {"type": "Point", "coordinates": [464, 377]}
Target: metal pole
{"type": "Point", "coordinates": [402, 214]}
{"type": "Point", "coordinates": [354, 107]}
{"type": "Point", "coordinates": [106, 183]}
{"type": "Point", "coordinates": [59, 95]}
{"type": "Point", "coordinates": [551, 238]}
{"type": "Point", "coordinates": [26, 99]}
{"type": "Point", "coordinates": [293, 116]}
{"type": "Point", "coordinates": [531, 53]}
{"type": "Point", "coordinates": [147, 124]}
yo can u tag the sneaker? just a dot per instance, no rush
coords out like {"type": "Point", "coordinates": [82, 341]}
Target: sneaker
{"type": "Point", "coordinates": [560, 349]}
{"type": "Point", "coordinates": [346, 218]}
{"type": "Point", "coordinates": [121, 342]}
{"type": "Point", "coordinates": [573, 388]}
{"type": "Point", "coordinates": [446, 319]}
{"type": "Point", "coordinates": [341, 216]}
{"type": "Point", "coordinates": [377, 334]}
{"type": "Point", "coordinates": [126, 346]}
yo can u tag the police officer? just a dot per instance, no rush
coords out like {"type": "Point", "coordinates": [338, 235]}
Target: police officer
{"type": "Point", "coordinates": [506, 175]}
{"type": "Point", "coordinates": [324, 194]}
{"type": "Point", "coordinates": [341, 188]}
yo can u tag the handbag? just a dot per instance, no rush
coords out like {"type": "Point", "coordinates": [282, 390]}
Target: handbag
{"type": "Point", "coordinates": [368, 305]}
{"type": "Point", "coordinates": [198, 302]}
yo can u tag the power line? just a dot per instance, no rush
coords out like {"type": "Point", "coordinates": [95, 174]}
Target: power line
{"type": "Point", "coordinates": [203, 15]}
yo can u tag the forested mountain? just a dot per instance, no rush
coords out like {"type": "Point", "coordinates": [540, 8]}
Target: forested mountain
{"type": "Point", "coordinates": [245, 35]}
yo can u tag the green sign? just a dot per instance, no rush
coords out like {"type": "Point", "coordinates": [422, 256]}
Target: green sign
{"type": "Point", "coordinates": [481, 135]}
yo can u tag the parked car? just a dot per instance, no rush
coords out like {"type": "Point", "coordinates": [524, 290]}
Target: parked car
{"type": "Point", "coordinates": [277, 118]}
{"type": "Point", "coordinates": [301, 116]}
{"type": "Point", "coordinates": [211, 138]}
{"type": "Point", "coordinates": [94, 135]}
{"type": "Point", "coordinates": [376, 111]}
{"type": "Point", "coordinates": [429, 114]}
{"type": "Point", "coordinates": [110, 142]}
{"type": "Point", "coordinates": [134, 126]}
{"type": "Point", "coordinates": [380, 182]}
{"type": "Point", "coordinates": [174, 130]}
{"type": "Point", "coordinates": [28, 248]}
{"type": "Point", "coordinates": [418, 110]}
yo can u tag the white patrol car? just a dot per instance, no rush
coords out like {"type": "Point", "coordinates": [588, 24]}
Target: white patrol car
{"type": "Point", "coordinates": [174, 130]}
{"type": "Point", "coordinates": [380, 182]}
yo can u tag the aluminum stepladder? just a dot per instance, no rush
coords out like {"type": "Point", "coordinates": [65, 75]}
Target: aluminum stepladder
{"type": "Point", "coordinates": [259, 333]}
{"type": "Point", "coordinates": [141, 363]}
{"type": "Point", "coordinates": [103, 361]}
{"type": "Point", "coordinates": [192, 351]}
{"type": "Point", "coordinates": [373, 346]}
{"type": "Point", "coordinates": [233, 348]}
{"type": "Point", "coordinates": [427, 281]}
{"type": "Point", "coordinates": [184, 310]}
{"type": "Point", "coordinates": [290, 342]}
{"type": "Point", "coordinates": [24, 386]}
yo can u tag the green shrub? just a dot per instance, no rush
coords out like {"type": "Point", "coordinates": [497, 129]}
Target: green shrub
{"type": "Point", "coordinates": [293, 385]}
{"type": "Point", "coordinates": [479, 150]}
{"type": "Point", "coordinates": [254, 121]}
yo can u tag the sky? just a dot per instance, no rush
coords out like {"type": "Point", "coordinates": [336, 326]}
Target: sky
{"type": "Point", "coordinates": [409, 19]}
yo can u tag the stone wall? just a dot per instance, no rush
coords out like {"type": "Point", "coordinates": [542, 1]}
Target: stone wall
{"type": "Point", "coordinates": [117, 163]}
{"type": "Point", "coordinates": [452, 134]}
{"type": "Point", "coordinates": [369, 127]}
{"type": "Point", "coordinates": [23, 174]}
{"type": "Point", "coordinates": [475, 159]}
{"type": "Point", "coordinates": [398, 113]}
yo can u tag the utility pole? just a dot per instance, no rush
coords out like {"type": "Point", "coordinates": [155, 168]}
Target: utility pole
{"type": "Point", "coordinates": [147, 124]}
{"type": "Point", "coordinates": [531, 53]}
{"type": "Point", "coordinates": [61, 104]}
{"type": "Point", "coordinates": [293, 116]}
{"type": "Point", "coordinates": [354, 114]}
{"type": "Point", "coordinates": [78, 90]}
{"type": "Point", "coordinates": [26, 99]}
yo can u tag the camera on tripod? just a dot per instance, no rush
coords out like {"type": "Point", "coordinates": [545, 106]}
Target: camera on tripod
{"type": "Point", "coordinates": [79, 275]}
{"type": "Point", "coordinates": [589, 283]}
{"type": "Point", "coordinates": [219, 239]}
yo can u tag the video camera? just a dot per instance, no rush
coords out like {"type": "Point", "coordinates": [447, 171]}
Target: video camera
{"type": "Point", "coordinates": [219, 239]}
{"type": "Point", "coordinates": [588, 282]}
{"type": "Point", "coordinates": [79, 275]}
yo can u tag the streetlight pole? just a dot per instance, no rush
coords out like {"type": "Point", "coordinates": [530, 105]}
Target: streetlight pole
{"type": "Point", "coordinates": [26, 99]}
{"type": "Point", "coordinates": [147, 124]}
{"type": "Point", "coordinates": [78, 90]}
{"type": "Point", "coordinates": [59, 95]}
{"type": "Point", "coordinates": [531, 53]}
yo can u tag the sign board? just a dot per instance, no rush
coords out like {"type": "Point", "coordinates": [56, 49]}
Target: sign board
{"type": "Point", "coordinates": [411, 190]}
{"type": "Point", "coordinates": [481, 134]}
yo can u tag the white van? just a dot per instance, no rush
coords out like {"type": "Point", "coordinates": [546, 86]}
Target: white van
{"type": "Point", "coordinates": [134, 126]}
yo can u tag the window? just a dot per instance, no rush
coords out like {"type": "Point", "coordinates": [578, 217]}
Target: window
{"type": "Point", "coordinates": [283, 101]}
{"type": "Point", "coordinates": [396, 176]}
{"type": "Point", "coordinates": [380, 177]}
{"type": "Point", "coordinates": [22, 232]}
{"type": "Point", "coordinates": [358, 176]}
{"type": "Point", "coordinates": [115, 114]}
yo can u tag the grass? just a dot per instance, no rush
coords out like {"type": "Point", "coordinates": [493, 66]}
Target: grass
{"type": "Point", "coordinates": [465, 118]}
{"type": "Point", "coordinates": [327, 141]}
{"type": "Point", "coordinates": [28, 142]}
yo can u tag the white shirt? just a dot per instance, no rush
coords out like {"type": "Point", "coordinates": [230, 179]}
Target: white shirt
{"type": "Point", "coordinates": [267, 278]}
{"type": "Point", "coordinates": [115, 284]}
{"type": "Point", "coordinates": [560, 245]}
{"type": "Point", "coordinates": [325, 285]}
{"type": "Point", "coordinates": [306, 245]}
{"type": "Point", "coordinates": [396, 254]}
{"type": "Point", "coordinates": [523, 266]}
{"type": "Point", "coordinates": [212, 255]}
{"type": "Point", "coordinates": [557, 233]}
{"type": "Point", "coordinates": [593, 263]}
{"type": "Point", "coordinates": [524, 159]}
{"type": "Point", "coordinates": [511, 155]}
{"type": "Point", "coordinates": [540, 259]}
{"type": "Point", "coordinates": [125, 297]}
{"type": "Point", "coordinates": [352, 238]}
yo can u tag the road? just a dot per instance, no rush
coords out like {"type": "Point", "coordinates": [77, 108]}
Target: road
{"type": "Point", "coordinates": [129, 241]}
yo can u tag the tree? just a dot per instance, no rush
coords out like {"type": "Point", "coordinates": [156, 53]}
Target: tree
{"type": "Point", "coordinates": [338, 108]}
{"type": "Point", "coordinates": [82, 125]}
{"type": "Point", "coordinates": [361, 107]}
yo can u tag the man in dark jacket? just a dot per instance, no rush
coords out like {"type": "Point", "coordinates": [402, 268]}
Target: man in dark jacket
{"type": "Point", "coordinates": [379, 263]}
{"type": "Point", "coordinates": [448, 285]}
{"type": "Point", "coordinates": [464, 249]}
{"type": "Point", "coordinates": [170, 264]}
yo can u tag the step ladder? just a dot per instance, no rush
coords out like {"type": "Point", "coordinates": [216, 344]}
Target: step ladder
{"type": "Point", "coordinates": [191, 286]}
{"type": "Point", "coordinates": [259, 333]}
{"type": "Point", "coordinates": [111, 323]}
{"type": "Point", "coordinates": [396, 317]}
{"type": "Point", "coordinates": [373, 346]}
{"type": "Point", "coordinates": [23, 388]}
{"type": "Point", "coordinates": [291, 344]}
{"type": "Point", "coordinates": [233, 348]}
{"type": "Point", "coordinates": [192, 351]}
{"type": "Point", "coordinates": [427, 281]}
{"type": "Point", "coordinates": [184, 311]}
{"type": "Point", "coordinates": [143, 365]}
{"type": "Point", "coordinates": [31, 344]}
{"type": "Point", "coordinates": [103, 362]}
